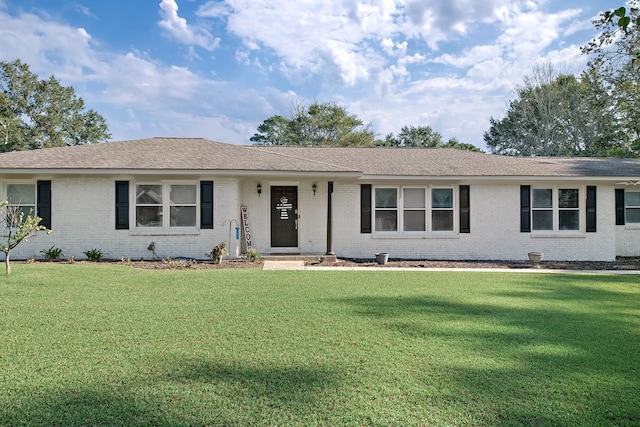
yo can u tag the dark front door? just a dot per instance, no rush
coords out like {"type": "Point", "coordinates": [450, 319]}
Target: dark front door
{"type": "Point", "coordinates": [284, 217]}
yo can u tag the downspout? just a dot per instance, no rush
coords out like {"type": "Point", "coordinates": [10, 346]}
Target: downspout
{"type": "Point", "coordinates": [329, 224]}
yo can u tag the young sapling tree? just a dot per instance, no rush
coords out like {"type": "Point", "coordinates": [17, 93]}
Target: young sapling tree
{"type": "Point", "coordinates": [16, 227]}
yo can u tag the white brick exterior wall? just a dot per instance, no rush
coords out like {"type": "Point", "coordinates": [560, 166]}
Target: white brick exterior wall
{"type": "Point", "coordinates": [495, 230]}
{"type": "Point", "coordinates": [83, 217]}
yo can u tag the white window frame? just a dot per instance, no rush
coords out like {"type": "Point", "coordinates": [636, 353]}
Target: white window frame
{"type": "Point", "coordinates": [424, 209]}
{"type": "Point", "coordinates": [556, 209]}
{"type": "Point", "coordinates": [166, 206]}
{"type": "Point", "coordinates": [451, 209]}
{"type": "Point", "coordinates": [428, 210]}
{"type": "Point", "coordinates": [629, 206]}
{"type": "Point", "coordinates": [32, 206]}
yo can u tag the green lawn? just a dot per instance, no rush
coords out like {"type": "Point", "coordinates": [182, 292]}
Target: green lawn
{"type": "Point", "coordinates": [112, 345]}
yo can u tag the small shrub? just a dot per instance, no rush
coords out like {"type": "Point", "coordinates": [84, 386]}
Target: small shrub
{"type": "Point", "coordinates": [51, 254]}
{"type": "Point", "coordinates": [218, 252]}
{"type": "Point", "coordinates": [93, 254]}
{"type": "Point", "coordinates": [252, 254]}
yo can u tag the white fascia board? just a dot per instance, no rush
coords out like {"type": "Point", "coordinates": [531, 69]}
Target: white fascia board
{"type": "Point", "coordinates": [494, 179]}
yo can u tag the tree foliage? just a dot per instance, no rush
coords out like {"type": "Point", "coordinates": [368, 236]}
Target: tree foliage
{"type": "Point", "coordinates": [328, 124]}
{"type": "Point", "coordinates": [618, 38]}
{"type": "Point", "coordinates": [423, 136]}
{"type": "Point", "coordinates": [556, 114]}
{"type": "Point", "coordinates": [16, 227]}
{"type": "Point", "coordinates": [42, 113]}
{"type": "Point", "coordinates": [615, 62]}
{"type": "Point", "coordinates": [319, 124]}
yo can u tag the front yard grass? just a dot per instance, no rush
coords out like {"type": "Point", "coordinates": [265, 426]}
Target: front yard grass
{"type": "Point", "coordinates": [112, 345]}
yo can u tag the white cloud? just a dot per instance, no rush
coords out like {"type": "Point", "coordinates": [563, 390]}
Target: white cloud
{"type": "Point", "coordinates": [178, 28]}
{"type": "Point", "coordinates": [214, 9]}
{"type": "Point", "coordinates": [448, 64]}
{"type": "Point", "coordinates": [85, 11]}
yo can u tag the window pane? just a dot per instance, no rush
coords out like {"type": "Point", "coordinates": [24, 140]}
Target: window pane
{"type": "Point", "coordinates": [149, 194]}
{"type": "Point", "coordinates": [21, 194]}
{"type": "Point", "coordinates": [442, 198]}
{"type": "Point", "coordinates": [542, 220]}
{"type": "Point", "coordinates": [632, 198]}
{"type": "Point", "coordinates": [183, 216]}
{"type": "Point", "coordinates": [568, 198]}
{"type": "Point", "coordinates": [183, 195]}
{"type": "Point", "coordinates": [12, 214]}
{"type": "Point", "coordinates": [414, 198]}
{"type": "Point", "coordinates": [149, 216]}
{"type": "Point", "coordinates": [414, 221]}
{"type": "Point", "coordinates": [633, 215]}
{"type": "Point", "coordinates": [386, 197]}
{"type": "Point", "coordinates": [442, 220]}
{"type": "Point", "coordinates": [541, 198]}
{"type": "Point", "coordinates": [569, 220]}
{"type": "Point", "coordinates": [386, 221]}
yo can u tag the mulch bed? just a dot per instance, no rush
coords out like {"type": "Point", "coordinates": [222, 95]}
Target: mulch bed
{"type": "Point", "coordinates": [180, 264]}
{"type": "Point", "coordinates": [619, 264]}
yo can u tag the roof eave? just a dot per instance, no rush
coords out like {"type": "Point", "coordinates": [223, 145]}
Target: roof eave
{"type": "Point", "coordinates": [170, 172]}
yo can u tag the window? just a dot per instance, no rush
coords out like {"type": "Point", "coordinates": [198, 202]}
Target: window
{"type": "Point", "coordinates": [542, 209]}
{"type": "Point", "coordinates": [632, 207]}
{"type": "Point", "coordinates": [568, 209]}
{"type": "Point", "coordinates": [563, 215]}
{"type": "Point", "coordinates": [386, 209]}
{"type": "Point", "coordinates": [153, 201]}
{"type": "Point", "coordinates": [182, 201]}
{"type": "Point", "coordinates": [22, 197]}
{"type": "Point", "coordinates": [442, 209]}
{"type": "Point", "coordinates": [413, 209]}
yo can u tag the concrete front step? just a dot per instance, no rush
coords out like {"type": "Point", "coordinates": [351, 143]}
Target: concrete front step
{"type": "Point", "coordinates": [298, 257]}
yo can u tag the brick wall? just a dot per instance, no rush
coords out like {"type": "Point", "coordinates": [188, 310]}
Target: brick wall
{"type": "Point", "coordinates": [83, 217]}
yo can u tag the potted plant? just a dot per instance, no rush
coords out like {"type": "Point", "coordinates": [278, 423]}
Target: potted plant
{"type": "Point", "coordinates": [382, 258]}
{"type": "Point", "coordinates": [535, 258]}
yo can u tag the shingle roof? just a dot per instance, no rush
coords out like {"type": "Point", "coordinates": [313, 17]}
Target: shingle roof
{"type": "Point", "coordinates": [443, 162]}
{"type": "Point", "coordinates": [184, 154]}
{"type": "Point", "coordinates": [197, 154]}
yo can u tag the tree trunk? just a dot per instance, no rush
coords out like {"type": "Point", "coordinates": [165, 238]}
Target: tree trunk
{"type": "Point", "coordinates": [7, 265]}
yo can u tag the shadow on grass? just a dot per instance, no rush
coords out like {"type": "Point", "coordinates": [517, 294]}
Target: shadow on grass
{"type": "Point", "coordinates": [193, 392]}
{"type": "Point", "coordinates": [88, 407]}
{"type": "Point", "coordinates": [562, 351]}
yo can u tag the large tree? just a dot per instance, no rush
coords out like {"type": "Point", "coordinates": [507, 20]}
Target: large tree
{"type": "Point", "coordinates": [319, 124]}
{"type": "Point", "coordinates": [615, 60]}
{"type": "Point", "coordinates": [555, 114]}
{"type": "Point", "coordinates": [38, 113]}
{"type": "Point", "coordinates": [423, 136]}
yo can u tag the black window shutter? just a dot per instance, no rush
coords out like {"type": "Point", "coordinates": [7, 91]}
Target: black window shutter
{"type": "Point", "coordinates": [365, 208]}
{"type": "Point", "coordinates": [122, 205]}
{"type": "Point", "coordinates": [43, 210]}
{"type": "Point", "coordinates": [591, 209]}
{"type": "Point", "coordinates": [619, 206]}
{"type": "Point", "coordinates": [525, 208]}
{"type": "Point", "coordinates": [465, 217]}
{"type": "Point", "coordinates": [206, 205]}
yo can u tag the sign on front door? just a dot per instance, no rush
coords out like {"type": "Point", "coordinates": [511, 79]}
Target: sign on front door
{"type": "Point", "coordinates": [284, 216]}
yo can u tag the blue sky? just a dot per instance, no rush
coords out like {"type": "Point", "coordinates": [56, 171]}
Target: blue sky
{"type": "Point", "coordinates": [217, 69]}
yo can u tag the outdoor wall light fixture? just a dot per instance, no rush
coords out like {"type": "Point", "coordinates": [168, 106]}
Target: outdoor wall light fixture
{"type": "Point", "coordinates": [259, 188]}
{"type": "Point", "coordinates": [314, 187]}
